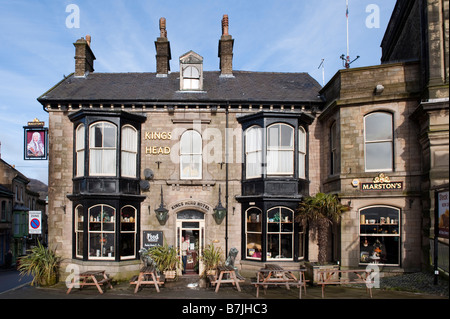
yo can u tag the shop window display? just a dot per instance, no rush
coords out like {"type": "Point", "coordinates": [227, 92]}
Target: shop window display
{"type": "Point", "coordinates": [380, 235]}
{"type": "Point", "coordinates": [101, 232]}
{"type": "Point", "coordinates": [254, 233]}
{"type": "Point", "coordinates": [280, 233]}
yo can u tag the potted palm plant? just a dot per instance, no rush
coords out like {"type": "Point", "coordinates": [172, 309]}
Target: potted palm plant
{"type": "Point", "coordinates": [166, 259]}
{"type": "Point", "coordinates": [212, 257]}
{"type": "Point", "coordinates": [43, 264]}
{"type": "Point", "coordinates": [320, 212]}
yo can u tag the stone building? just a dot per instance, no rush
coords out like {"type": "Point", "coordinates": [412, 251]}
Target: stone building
{"type": "Point", "coordinates": [139, 156]}
{"type": "Point", "coordinates": [17, 198]}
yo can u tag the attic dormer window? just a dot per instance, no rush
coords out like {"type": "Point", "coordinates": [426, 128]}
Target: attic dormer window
{"type": "Point", "coordinates": [191, 78]}
{"type": "Point", "coordinates": [191, 72]}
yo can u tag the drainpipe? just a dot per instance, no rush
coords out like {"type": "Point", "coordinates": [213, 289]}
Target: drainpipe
{"type": "Point", "coordinates": [226, 180]}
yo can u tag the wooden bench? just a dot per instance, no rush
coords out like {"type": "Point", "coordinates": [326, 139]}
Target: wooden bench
{"type": "Point", "coordinates": [89, 278]}
{"type": "Point", "coordinates": [275, 275]}
{"type": "Point", "coordinates": [147, 276]}
{"type": "Point", "coordinates": [226, 274]}
{"type": "Point", "coordinates": [342, 277]}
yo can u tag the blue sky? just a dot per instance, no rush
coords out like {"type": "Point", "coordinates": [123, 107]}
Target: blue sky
{"type": "Point", "coordinates": [270, 35]}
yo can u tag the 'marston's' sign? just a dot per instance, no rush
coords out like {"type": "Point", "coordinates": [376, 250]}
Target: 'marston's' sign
{"type": "Point", "coordinates": [381, 182]}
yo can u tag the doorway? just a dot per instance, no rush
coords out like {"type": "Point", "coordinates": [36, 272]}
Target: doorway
{"type": "Point", "coordinates": [190, 240]}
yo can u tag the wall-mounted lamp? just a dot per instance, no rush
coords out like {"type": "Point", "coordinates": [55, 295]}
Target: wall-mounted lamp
{"type": "Point", "coordinates": [162, 214]}
{"type": "Point", "coordinates": [219, 211]}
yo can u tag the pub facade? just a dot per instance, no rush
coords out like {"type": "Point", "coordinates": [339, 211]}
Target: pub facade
{"type": "Point", "coordinates": [136, 157]}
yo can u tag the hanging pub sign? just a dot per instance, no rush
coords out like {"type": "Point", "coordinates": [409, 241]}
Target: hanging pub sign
{"type": "Point", "coordinates": [380, 183]}
{"type": "Point", "coordinates": [35, 141]}
{"type": "Point", "coordinates": [152, 238]}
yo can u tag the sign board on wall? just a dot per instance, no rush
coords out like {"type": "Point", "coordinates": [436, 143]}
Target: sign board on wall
{"type": "Point", "coordinates": [35, 223]}
{"type": "Point", "coordinates": [443, 214]}
{"type": "Point", "coordinates": [152, 238]}
{"type": "Point", "coordinates": [35, 141]}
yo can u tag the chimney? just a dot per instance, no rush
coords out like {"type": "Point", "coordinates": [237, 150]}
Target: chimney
{"type": "Point", "coordinates": [162, 46]}
{"type": "Point", "coordinates": [84, 58]}
{"type": "Point", "coordinates": [226, 50]}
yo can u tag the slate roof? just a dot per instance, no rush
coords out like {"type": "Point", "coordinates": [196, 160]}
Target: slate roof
{"type": "Point", "coordinates": [146, 87]}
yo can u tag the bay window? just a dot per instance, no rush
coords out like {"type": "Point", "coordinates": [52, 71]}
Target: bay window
{"type": "Point", "coordinates": [101, 232]}
{"type": "Point", "coordinates": [301, 153]}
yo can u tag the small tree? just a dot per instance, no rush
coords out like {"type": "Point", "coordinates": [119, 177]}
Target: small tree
{"type": "Point", "coordinates": [321, 211]}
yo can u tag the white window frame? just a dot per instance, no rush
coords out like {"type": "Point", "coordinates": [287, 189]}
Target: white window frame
{"type": "Point", "coordinates": [247, 232]}
{"type": "Point", "coordinates": [253, 151]}
{"type": "Point", "coordinates": [122, 220]}
{"type": "Point", "coordinates": [302, 152]}
{"type": "Point", "coordinates": [274, 169]}
{"type": "Point", "coordinates": [380, 141]}
{"type": "Point", "coordinates": [129, 151]}
{"type": "Point", "coordinates": [79, 230]}
{"type": "Point", "coordinates": [80, 134]}
{"type": "Point", "coordinates": [191, 76]}
{"type": "Point", "coordinates": [280, 232]}
{"type": "Point", "coordinates": [105, 168]}
{"type": "Point", "coordinates": [102, 231]}
{"type": "Point", "coordinates": [191, 157]}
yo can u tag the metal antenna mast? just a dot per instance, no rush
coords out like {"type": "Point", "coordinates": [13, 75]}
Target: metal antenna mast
{"type": "Point", "coordinates": [322, 64]}
{"type": "Point", "coordinates": [346, 59]}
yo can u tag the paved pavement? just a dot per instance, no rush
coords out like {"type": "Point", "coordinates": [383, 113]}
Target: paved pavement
{"type": "Point", "coordinates": [188, 296]}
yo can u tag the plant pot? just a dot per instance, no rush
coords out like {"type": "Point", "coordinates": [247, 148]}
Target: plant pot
{"type": "Point", "coordinates": [312, 270]}
{"type": "Point", "coordinates": [170, 274]}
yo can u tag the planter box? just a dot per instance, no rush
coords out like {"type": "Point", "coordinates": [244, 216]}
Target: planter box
{"type": "Point", "coordinates": [170, 274]}
{"type": "Point", "coordinates": [312, 271]}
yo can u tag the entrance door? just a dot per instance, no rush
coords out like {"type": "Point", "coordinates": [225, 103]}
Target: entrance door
{"type": "Point", "coordinates": [190, 240]}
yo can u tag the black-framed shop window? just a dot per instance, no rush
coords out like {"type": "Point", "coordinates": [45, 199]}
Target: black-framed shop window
{"type": "Point", "coordinates": [380, 239]}
{"type": "Point", "coordinates": [271, 234]}
{"type": "Point", "coordinates": [106, 230]}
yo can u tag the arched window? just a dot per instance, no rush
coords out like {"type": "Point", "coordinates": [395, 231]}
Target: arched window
{"type": "Point", "coordinates": [79, 217]}
{"type": "Point", "coordinates": [380, 239]}
{"type": "Point", "coordinates": [254, 220]}
{"type": "Point", "coordinates": [191, 155]}
{"type": "Point", "coordinates": [280, 150]}
{"type": "Point", "coordinates": [191, 78]}
{"type": "Point", "coordinates": [128, 232]}
{"type": "Point", "coordinates": [301, 153]}
{"type": "Point", "coordinates": [253, 152]}
{"type": "Point", "coordinates": [79, 150]}
{"type": "Point", "coordinates": [102, 149]}
{"type": "Point", "coordinates": [102, 232]}
{"type": "Point", "coordinates": [129, 151]}
{"type": "Point", "coordinates": [280, 233]}
{"type": "Point", "coordinates": [378, 138]}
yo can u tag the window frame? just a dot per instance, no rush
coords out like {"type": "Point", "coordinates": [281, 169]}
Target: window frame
{"type": "Point", "coordinates": [102, 232]}
{"type": "Point", "coordinates": [195, 138]}
{"type": "Point", "coordinates": [280, 232]}
{"type": "Point", "coordinates": [80, 150]}
{"type": "Point", "coordinates": [133, 231]}
{"type": "Point", "coordinates": [102, 149]}
{"type": "Point", "coordinates": [132, 152]}
{"type": "Point", "coordinates": [378, 227]}
{"type": "Point", "coordinates": [253, 232]}
{"type": "Point", "coordinates": [188, 80]}
{"type": "Point", "coordinates": [379, 141]}
{"type": "Point", "coordinates": [278, 149]}
{"type": "Point", "coordinates": [302, 152]}
{"type": "Point", "coordinates": [259, 135]}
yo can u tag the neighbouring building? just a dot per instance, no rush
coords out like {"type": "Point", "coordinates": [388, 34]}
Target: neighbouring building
{"type": "Point", "coordinates": [142, 157]}
{"type": "Point", "coordinates": [17, 198]}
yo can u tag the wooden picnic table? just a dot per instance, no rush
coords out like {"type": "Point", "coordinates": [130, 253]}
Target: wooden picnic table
{"type": "Point", "coordinates": [227, 274]}
{"type": "Point", "coordinates": [273, 274]}
{"type": "Point", "coordinates": [147, 276]}
{"type": "Point", "coordinates": [89, 278]}
{"type": "Point", "coordinates": [342, 277]}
